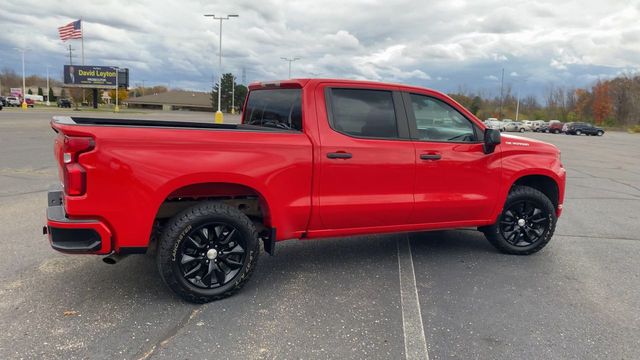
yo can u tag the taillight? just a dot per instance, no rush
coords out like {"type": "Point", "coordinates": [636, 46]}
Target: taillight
{"type": "Point", "coordinates": [75, 176]}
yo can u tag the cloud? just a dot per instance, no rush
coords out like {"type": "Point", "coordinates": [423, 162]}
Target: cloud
{"type": "Point", "coordinates": [443, 44]}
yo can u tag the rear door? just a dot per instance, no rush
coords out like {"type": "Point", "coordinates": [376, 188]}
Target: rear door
{"type": "Point", "coordinates": [367, 161]}
{"type": "Point", "coordinates": [456, 182]}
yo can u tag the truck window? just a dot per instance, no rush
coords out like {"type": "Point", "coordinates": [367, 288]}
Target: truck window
{"type": "Point", "coordinates": [277, 108]}
{"type": "Point", "coordinates": [364, 113]}
{"type": "Point", "coordinates": [439, 121]}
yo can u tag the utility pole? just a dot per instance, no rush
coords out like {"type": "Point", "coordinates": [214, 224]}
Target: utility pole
{"type": "Point", "coordinates": [143, 86]}
{"type": "Point", "coordinates": [219, 119]}
{"type": "Point", "coordinates": [517, 105]}
{"type": "Point", "coordinates": [501, 87]}
{"type": "Point", "coordinates": [290, 60]}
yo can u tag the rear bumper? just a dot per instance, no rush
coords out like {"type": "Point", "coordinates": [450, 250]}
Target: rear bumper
{"type": "Point", "coordinates": [82, 236]}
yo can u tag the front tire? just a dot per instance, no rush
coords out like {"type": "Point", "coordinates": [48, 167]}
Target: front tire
{"type": "Point", "coordinates": [578, 132]}
{"type": "Point", "coordinates": [521, 130]}
{"type": "Point", "coordinates": [526, 224]}
{"type": "Point", "coordinates": [600, 133]}
{"type": "Point", "coordinates": [208, 252]}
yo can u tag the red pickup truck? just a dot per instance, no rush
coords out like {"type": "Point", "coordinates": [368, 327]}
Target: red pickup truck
{"type": "Point", "coordinates": [311, 159]}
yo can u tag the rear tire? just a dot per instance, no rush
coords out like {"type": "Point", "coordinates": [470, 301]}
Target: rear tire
{"type": "Point", "coordinates": [208, 252]}
{"type": "Point", "coordinates": [522, 130]}
{"type": "Point", "coordinates": [578, 132]}
{"type": "Point", "coordinates": [600, 133]}
{"type": "Point", "coordinates": [526, 223]}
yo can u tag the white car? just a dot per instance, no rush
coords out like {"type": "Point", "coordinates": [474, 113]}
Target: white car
{"type": "Point", "coordinates": [13, 101]}
{"type": "Point", "coordinates": [536, 125]}
{"type": "Point", "coordinates": [494, 124]}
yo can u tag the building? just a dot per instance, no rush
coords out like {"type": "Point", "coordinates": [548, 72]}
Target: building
{"type": "Point", "coordinates": [173, 100]}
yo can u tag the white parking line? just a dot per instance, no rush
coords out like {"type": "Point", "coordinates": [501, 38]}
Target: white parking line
{"type": "Point", "coordinates": [415, 343]}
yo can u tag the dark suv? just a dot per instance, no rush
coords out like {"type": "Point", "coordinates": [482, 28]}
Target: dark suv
{"type": "Point", "coordinates": [64, 103]}
{"type": "Point", "coordinates": [579, 128]}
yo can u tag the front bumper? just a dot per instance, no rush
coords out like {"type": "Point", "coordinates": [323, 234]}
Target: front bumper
{"type": "Point", "coordinates": [74, 236]}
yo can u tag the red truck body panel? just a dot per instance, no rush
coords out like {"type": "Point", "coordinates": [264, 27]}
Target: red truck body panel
{"type": "Point", "coordinates": [129, 177]}
{"type": "Point", "coordinates": [385, 187]}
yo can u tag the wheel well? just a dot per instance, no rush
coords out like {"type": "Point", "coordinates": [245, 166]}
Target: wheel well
{"type": "Point", "coordinates": [247, 200]}
{"type": "Point", "coordinates": [542, 183]}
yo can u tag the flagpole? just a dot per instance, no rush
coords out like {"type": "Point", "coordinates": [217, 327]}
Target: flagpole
{"type": "Point", "coordinates": [82, 46]}
{"type": "Point", "coordinates": [82, 38]}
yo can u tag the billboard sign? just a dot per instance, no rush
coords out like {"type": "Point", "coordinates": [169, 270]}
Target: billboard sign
{"type": "Point", "coordinates": [94, 76]}
{"type": "Point", "coordinates": [17, 92]}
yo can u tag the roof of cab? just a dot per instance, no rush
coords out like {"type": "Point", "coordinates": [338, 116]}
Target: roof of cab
{"type": "Point", "coordinates": [299, 83]}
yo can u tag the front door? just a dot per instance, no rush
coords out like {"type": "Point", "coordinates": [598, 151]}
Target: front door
{"type": "Point", "coordinates": [455, 180]}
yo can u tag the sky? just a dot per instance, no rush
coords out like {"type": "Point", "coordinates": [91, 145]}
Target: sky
{"type": "Point", "coordinates": [445, 45]}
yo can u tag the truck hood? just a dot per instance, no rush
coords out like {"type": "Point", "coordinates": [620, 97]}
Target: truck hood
{"type": "Point", "coordinates": [514, 141]}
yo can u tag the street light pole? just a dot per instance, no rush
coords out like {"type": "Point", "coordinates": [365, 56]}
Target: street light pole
{"type": "Point", "coordinates": [290, 60]}
{"type": "Point", "coordinates": [501, 86]}
{"type": "Point", "coordinates": [219, 118]}
{"type": "Point", "coordinates": [48, 100]}
{"type": "Point", "coordinates": [233, 94]}
{"type": "Point", "coordinates": [24, 102]}
{"type": "Point", "coordinates": [117, 69]}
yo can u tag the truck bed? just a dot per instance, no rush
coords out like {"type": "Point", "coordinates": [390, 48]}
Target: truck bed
{"type": "Point", "coordinates": [68, 120]}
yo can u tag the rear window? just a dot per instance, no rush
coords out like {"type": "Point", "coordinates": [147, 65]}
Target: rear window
{"type": "Point", "coordinates": [364, 113]}
{"type": "Point", "coordinates": [276, 108]}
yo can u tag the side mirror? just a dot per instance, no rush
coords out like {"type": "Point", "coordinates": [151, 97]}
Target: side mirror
{"type": "Point", "coordinates": [492, 138]}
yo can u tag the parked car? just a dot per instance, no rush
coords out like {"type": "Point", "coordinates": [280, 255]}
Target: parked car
{"type": "Point", "coordinates": [494, 124]}
{"type": "Point", "coordinates": [13, 101]}
{"type": "Point", "coordinates": [539, 125]}
{"type": "Point", "coordinates": [555, 126]}
{"type": "Point", "coordinates": [504, 122]}
{"type": "Point", "coordinates": [1, 106]}
{"type": "Point", "coordinates": [579, 128]}
{"type": "Point", "coordinates": [331, 166]}
{"type": "Point", "coordinates": [64, 103]}
{"type": "Point", "coordinates": [514, 126]}
{"type": "Point", "coordinates": [3, 101]}
{"type": "Point", "coordinates": [30, 102]}
{"type": "Point", "coordinates": [528, 124]}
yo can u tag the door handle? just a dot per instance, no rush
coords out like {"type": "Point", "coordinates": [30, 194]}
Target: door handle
{"type": "Point", "coordinates": [430, 156]}
{"type": "Point", "coordinates": [339, 155]}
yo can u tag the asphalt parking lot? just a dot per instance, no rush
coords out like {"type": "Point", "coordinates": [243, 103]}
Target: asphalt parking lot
{"type": "Point", "coordinates": [579, 298]}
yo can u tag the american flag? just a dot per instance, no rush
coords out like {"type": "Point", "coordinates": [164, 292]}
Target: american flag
{"type": "Point", "coordinates": [72, 30]}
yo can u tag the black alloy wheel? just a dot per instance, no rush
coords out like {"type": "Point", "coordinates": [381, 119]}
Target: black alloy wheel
{"type": "Point", "coordinates": [208, 251]}
{"type": "Point", "coordinates": [523, 223]}
{"type": "Point", "coordinates": [212, 255]}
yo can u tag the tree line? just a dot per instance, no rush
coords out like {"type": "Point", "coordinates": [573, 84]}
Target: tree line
{"type": "Point", "coordinates": [613, 102]}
